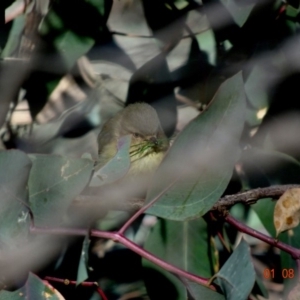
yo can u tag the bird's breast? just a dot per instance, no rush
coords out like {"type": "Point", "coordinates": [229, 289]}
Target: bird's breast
{"type": "Point", "coordinates": [146, 164]}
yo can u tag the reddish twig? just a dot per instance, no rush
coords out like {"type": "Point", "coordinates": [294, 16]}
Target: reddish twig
{"type": "Point", "coordinates": [117, 237]}
{"type": "Point", "coordinates": [74, 282]}
{"type": "Point", "coordinates": [294, 252]}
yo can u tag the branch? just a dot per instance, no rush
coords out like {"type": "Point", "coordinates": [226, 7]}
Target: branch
{"type": "Point", "coordinates": [252, 196]}
{"type": "Point", "coordinates": [74, 282]}
{"type": "Point", "coordinates": [294, 252]}
{"type": "Point", "coordinates": [117, 237]}
{"type": "Point", "coordinates": [248, 197]}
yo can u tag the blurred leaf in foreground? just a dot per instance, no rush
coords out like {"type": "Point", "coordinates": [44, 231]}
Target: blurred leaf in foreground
{"type": "Point", "coordinates": [117, 167]}
{"type": "Point", "coordinates": [202, 158]}
{"type": "Point", "coordinates": [183, 244]}
{"type": "Point", "coordinates": [54, 181]}
{"type": "Point", "coordinates": [34, 288]}
{"type": "Point", "coordinates": [14, 218]}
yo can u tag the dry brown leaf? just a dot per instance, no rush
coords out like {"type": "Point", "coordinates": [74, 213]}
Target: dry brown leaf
{"type": "Point", "coordinates": [52, 291]}
{"type": "Point", "coordinates": [287, 211]}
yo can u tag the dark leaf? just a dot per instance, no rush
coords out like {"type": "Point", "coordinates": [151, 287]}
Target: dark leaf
{"type": "Point", "coordinates": [237, 276]}
{"type": "Point", "coordinates": [117, 167]}
{"type": "Point", "coordinates": [53, 183]}
{"type": "Point", "coordinates": [34, 289]}
{"type": "Point", "coordinates": [201, 160]}
{"type": "Point", "coordinates": [14, 217]}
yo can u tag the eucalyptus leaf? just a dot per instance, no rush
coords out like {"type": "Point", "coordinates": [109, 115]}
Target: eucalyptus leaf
{"type": "Point", "coordinates": [53, 183]}
{"type": "Point", "coordinates": [183, 244]}
{"type": "Point", "coordinates": [199, 292]}
{"type": "Point", "coordinates": [14, 216]}
{"type": "Point", "coordinates": [117, 167]}
{"type": "Point", "coordinates": [14, 37]}
{"type": "Point", "coordinates": [237, 276]}
{"type": "Point", "coordinates": [202, 158]}
{"type": "Point", "coordinates": [82, 273]}
{"type": "Point", "coordinates": [34, 289]}
{"type": "Point", "coordinates": [239, 12]}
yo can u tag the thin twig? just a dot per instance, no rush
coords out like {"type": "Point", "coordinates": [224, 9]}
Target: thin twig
{"type": "Point", "coordinates": [117, 237]}
{"type": "Point", "coordinates": [294, 252]}
{"type": "Point", "coordinates": [74, 282]}
{"type": "Point", "coordinates": [252, 196]}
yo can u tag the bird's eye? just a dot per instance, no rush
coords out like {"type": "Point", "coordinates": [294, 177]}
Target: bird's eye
{"type": "Point", "coordinates": [136, 135]}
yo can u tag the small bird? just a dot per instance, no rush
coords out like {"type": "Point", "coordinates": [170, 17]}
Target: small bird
{"type": "Point", "coordinates": [148, 141]}
{"type": "Point", "coordinates": [148, 147]}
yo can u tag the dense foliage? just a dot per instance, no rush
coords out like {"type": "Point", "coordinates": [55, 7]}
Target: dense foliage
{"type": "Point", "coordinates": [223, 77]}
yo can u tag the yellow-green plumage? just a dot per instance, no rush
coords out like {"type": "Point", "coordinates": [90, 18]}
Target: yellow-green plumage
{"type": "Point", "coordinates": [148, 141]}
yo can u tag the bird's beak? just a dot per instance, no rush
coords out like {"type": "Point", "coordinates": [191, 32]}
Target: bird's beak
{"type": "Point", "coordinates": [153, 140]}
{"type": "Point", "coordinates": [159, 144]}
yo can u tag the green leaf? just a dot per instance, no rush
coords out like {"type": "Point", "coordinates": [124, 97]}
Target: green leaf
{"type": "Point", "coordinates": [264, 209]}
{"type": "Point", "coordinates": [82, 273]}
{"type": "Point", "coordinates": [201, 160]}
{"type": "Point", "coordinates": [14, 218]}
{"type": "Point", "coordinates": [183, 244]}
{"type": "Point", "coordinates": [237, 276]}
{"type": "Point", "coordinates": [255, 88]}
{"type": "Point", "coordinates": [72, 46]}
{"type": "Point", "coordinates": [53, 183]}
{"type": "Point", "coordinates": [200, 292]}
{"type": "Point", "coordinates": [239, 12]}
{"type": "Point", "coordinates": [34, 289]}
{"type": "Point", "coordinates": [14, 37]}
{"type": "Point", "coordinates": [117, 167]}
